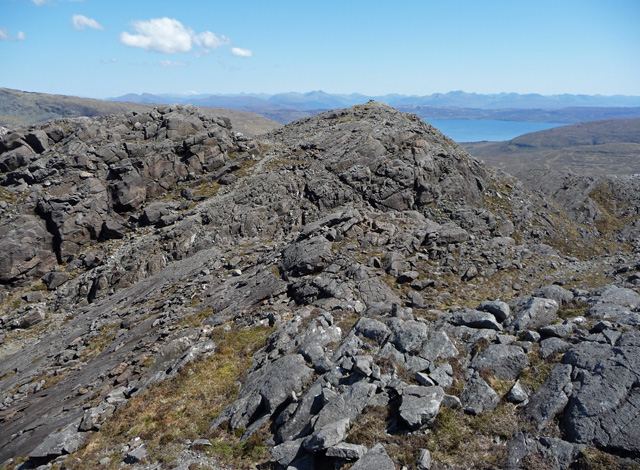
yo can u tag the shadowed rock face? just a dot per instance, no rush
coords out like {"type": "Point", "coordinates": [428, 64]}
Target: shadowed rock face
{"type": "Point", "coordinates": [382, 255]}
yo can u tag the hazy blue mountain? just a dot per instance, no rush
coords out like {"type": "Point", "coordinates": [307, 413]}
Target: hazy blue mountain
{"type": "Point", "coordinates": [452, 105]}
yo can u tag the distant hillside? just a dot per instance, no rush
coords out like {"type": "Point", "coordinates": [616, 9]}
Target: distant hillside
{"type": "Point", "coordinates": [563, 115]}
{"type": "Point", "coordinates": [20, 109]}
{"type": "Point", "coordinates": [588, 148]}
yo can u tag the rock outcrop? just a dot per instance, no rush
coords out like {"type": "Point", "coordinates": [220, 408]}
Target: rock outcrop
{"type": "Point", "coordinates": [406, 287]}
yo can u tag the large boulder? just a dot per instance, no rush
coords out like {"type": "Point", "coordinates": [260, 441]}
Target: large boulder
{"type": "Point", "coordinates": [477, 396]}
{"type": "Point", "coordinates": [306, 257]}
{"type": "Point", "coordinates": [419, 405]}
{"type": "Point", "coordinates": [530, 313]}
{"type": "Point", "coordinates": [505, 361]}
{"type": "Point", "coordinates": [25, 249]}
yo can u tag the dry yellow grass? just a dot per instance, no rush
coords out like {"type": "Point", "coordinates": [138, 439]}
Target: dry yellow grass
{"type": "Point", "coordinates": [182, 408]}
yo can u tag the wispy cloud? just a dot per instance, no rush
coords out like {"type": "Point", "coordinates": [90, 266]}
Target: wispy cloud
{"type": "Point", "coordinates": [43, 2]}
{"type": "Point", "coordinates": [5, 36]}
{"type": "Point", "coordinates": [81, 22]}
{"type": "Point", "coordinates": [169, 63]}
{"type": "Point", "coordinates": [108, 61]}
{"type": "Point", "coordinates": [241, 52]}
{"type": "Point", "coordinates": [170, 36]}
{"type": "Point", "coordinates": [209, 41]}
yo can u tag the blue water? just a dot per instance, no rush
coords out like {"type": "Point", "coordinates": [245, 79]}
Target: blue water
{"type": "Point", "coordinates": [467, 130]}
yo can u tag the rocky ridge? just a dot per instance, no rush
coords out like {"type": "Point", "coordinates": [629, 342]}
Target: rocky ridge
{"type": "Point", "coordinates": [405, 287]}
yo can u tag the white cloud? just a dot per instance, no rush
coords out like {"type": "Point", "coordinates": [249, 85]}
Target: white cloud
{"type": "Point", "coordinates": [159, 34]}
{"type": "Point", "coordinates": [108, 61]}
{"type": "Point", "coordinates": [241, 52]}
{"type": "Point", "coordinates": [5, 36]}
{"type": "Point", "coordinates": [168, 63]}
{"type": "Point", "coordinates": [170, 36]}
{"type": "Point", "coordinates": [209, 41]}
{"type": "Point", "coordinates": [82, 22]}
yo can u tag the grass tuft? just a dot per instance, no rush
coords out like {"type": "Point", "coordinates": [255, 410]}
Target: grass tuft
{"type": "Point", "coordinates": [167, 414]}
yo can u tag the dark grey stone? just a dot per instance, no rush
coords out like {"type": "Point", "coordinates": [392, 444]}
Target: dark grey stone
{"type": "Point", "coordinates": [377, 458]}
{"type": "Point", "coordinates": [55, 279]}
{"type": "Point", "coordinates": [561, 295]}
{"type": "Point", "coordinates": [372, 329]}
{"type": "Point", "coordinates": [443, 375]}
{"type": "Point", "coordinates": [617, 296]}
{"type": "Point", "coordinates": [306, 257]}
{"type": "Point", "coordinates": [327, 436]}
{"type": "Point", "coordinates": [424, 460]}
{"type": "Point", "coordinates": [605, 404]}
{"type": "Point", "coordinates": [552, 346]}
{"type": "Point", "coordinates": [475, 319]}
{"type": "Point", "coordinates": [410, 336]}
{"type": "Point", "coordinates": [558, 330]}
{"type": "Point", "coordinates": [551, 398]}
{"type": "Point", "coordinates": [517, 394]}
{"type": "Point", "coordinates": [346, 451]}
{"type": "Point", "coordinates": [500, 310]}
{"type": "Point", "coordinates": [437, 345]}
{"type": "Point", "coordinates": [346, 405]}
{"type": "Point", "coordinates": [533, 313]}
{"type": "Point", "coordinates": [136, 455]}
{"type": "Point", "coordinates": [477, 396]}
{"type": "Point", "coordinates": [65, 441]}
{"type": "Point", "coordinates": [420, 405]}
{"type": "Point", "coordinates": [505, 361]}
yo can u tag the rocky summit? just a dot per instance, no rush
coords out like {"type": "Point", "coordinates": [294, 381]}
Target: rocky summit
{"type": "Point", "coordinates": [353, 289]}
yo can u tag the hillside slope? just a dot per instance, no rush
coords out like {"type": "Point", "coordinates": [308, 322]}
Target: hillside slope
{"type": "Point", "coordinates": [588, 148]}
{"type": "Point", "coordinates": [19, 108]}
{"type": "Point", "coordinates": [351, 288]}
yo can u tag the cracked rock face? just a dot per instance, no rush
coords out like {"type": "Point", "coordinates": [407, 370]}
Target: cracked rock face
{"type": "Point", "coordinates": [402, 280]}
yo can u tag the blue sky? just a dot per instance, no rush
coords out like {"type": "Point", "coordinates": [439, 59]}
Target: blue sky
{"type": "Point", "coordinates": [105, 48]}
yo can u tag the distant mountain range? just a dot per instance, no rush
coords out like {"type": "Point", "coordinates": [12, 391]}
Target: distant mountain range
{"type": "Point", "coordinates": [286, 107]}
{"type": "Point", "coordinates": [459, 99]}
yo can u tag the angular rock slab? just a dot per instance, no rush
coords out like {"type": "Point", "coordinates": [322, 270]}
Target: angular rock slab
{"type": "Point", "coordinates": [604, 409]}
{"type": "Point", "coordinates": [505, 361]}
{"type": "Point", "coordinates": [377, 458]}
{"type": "Point", "coordinates": [533, 312]}
{"type": "Point", "coordinates": [328, 436]}
{"type": "Point", "coordinates": [500, 310]}
{"type": "Point", "coordinates": [475, 319]}
{"type": "Point", "coordinates": [65, 441]}
{"type": "Point", "coordinates": [477, 396]}
{"type": "Point", "coordinates": [346, 451]}
{"type": "Point", "coordinates": [551, 398]}
{"type": "Point", "coordinates": [420, 405]}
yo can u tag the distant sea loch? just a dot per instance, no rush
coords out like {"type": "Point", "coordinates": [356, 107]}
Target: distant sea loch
{"type": "Point", "coordinates": [476, 130]}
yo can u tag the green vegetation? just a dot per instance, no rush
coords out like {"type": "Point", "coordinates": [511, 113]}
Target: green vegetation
{"type": "Point", "coordinates": [594, 459]}
{"type": "Point", "coordinates": [538, 370]}
{"type": "Point", "coordinates": [573, 310]}
{"type": "Point", "coordinates": [454, 438]}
